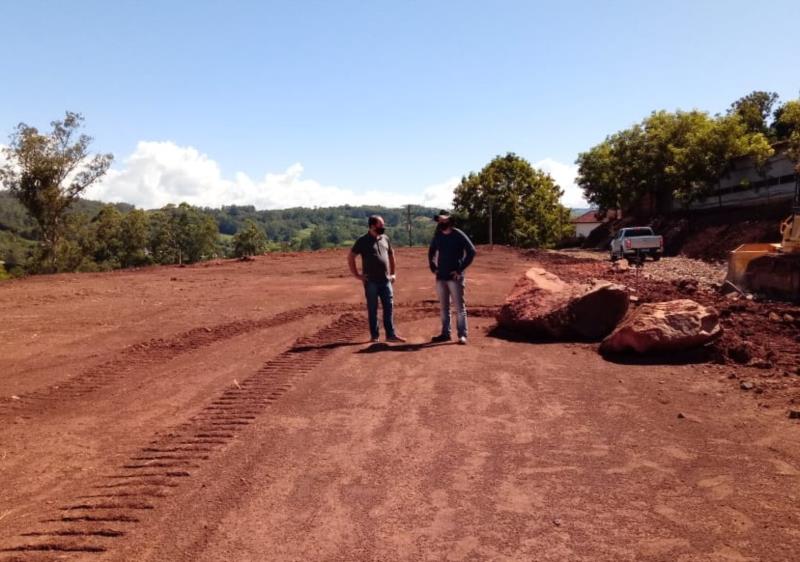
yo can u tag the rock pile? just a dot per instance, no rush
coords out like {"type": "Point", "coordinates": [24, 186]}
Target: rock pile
{"type": "Point", "coordinates": [664, 326]}
{"type": "Point", "coordinates": [543, 305]}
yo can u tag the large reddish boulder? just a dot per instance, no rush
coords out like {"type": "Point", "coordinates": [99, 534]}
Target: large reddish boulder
{"type": "Point", "coordinates": [543, 305]}
{"type": "Point", "coordinates": [664, 326]}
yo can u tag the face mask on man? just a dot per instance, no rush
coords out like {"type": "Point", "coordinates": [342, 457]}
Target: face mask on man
{"type": "Point", "coordinates": [443, 225]}
{"type": "Point", "coordinates": [380, 229]}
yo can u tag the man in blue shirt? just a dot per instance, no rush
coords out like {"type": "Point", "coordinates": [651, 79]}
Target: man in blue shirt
{"type": "Point", "coordinates": [450, 254]}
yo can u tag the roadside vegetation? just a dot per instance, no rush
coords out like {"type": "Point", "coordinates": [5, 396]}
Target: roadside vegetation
{"type": "Point", "coordinates": [102, 237]}
{"type": "Point", "coordinates": [683, 154]}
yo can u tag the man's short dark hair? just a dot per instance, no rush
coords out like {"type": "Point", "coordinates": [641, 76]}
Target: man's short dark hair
{"type": "Point", "coordinates": [373, 220]}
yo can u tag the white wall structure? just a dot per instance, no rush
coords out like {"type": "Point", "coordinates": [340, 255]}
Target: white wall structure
{"type": "Point", "coordinates": [586, 223]}
{"type": "Point", "coordinates": [746, 185]}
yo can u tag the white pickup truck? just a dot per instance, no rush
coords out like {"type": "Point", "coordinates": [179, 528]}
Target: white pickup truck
{"type": "Point", "coordinates": [635, 244]}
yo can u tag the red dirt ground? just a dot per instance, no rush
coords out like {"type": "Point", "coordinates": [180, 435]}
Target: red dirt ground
{"type": "Point", "coordinates": [235, 411]}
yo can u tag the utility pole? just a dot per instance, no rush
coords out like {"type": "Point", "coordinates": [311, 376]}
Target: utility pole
{"type": "Point", "coordinates": [408, 225]}
{"type": "Point", "coordinates": [491, 230]}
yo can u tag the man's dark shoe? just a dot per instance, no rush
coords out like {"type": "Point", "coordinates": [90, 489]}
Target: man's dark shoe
{"type": "Point", "coordinates": [396, 339]}
{"type": "Point", "coordinates": [440, 338]}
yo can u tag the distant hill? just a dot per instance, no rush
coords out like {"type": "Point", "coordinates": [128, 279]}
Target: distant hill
{"type": "Point", "coordinates": [335, 225]}
{"type": "Point", "coordinates": [291, 229]}
{"type": "Point", "coordinates": [15, 219]}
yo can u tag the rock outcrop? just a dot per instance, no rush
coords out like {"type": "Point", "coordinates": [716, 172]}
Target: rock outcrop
{"type": "Point", "coordinates": [664, 326]}
{"type": "Point", "coordinates": [542, 305]}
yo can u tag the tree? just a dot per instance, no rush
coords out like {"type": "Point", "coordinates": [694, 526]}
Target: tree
{"type": "Point", "coordinates": [163, 236]}
{"type": "Point", "coordinates": [617, 172]}
{"type": "Point", "coordinates": [680, 155]}
{"type": "Point", "coordinates": [182, 234]}
{"type": "Point", "coordinates": [755, 109]}
{"type": "Point", "coordinates": [316, 239]}
{"type": "Point", "coordinates": [133, 239]}
{"type": "Point", "coordinates": [76, 246]}
{"type": "Point", "coordinates": [249, 241]}
{"type": "Point", "coordinates": [108, 237]}
{"type": "Point", "coordinates": [708, 151]}
{"type": "Point", "coordinates": [197, 234]}
{"type": "Point", "coordinates": [789, 121]}
{"type": "Point", "coordinates": [524, 203]}
{"type": "Point", "coordinates": [47, 172]}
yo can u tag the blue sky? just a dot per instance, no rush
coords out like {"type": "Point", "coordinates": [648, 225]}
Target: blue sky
{"type": "Point", "coordinates": [283, 103]}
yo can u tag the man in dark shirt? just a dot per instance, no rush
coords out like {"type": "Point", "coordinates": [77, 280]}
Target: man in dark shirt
{"type": "Point", "coordinates": [377, 274]}
{"type": "Point", "coordinates": [450, 254]}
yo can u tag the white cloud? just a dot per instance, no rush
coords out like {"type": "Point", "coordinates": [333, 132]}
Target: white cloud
{"type": "Point", "coordinates": [158, 173]}
{"type": "Point", "coordinates": [565, 175]}
{"type": "Point", "coordinates": [440, 195]}
{"type": "Point", "coordinates": [3, 158]}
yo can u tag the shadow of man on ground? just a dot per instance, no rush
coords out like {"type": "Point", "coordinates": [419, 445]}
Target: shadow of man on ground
{"type": "Point", "coordinates": [381, 347]}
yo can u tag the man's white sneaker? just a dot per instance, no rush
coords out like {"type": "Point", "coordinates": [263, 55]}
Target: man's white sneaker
{"type": "Point", "coordinates": [462, 340]}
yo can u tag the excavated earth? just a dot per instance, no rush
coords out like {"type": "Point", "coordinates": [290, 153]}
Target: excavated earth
{"type": "Point", "coordinates": [235, 411]}
{"type": "Point", "coordinates": [759, 335]}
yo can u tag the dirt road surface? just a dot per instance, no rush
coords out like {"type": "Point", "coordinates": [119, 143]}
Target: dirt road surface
{"type": "Point", "coordinates": [236, 412]}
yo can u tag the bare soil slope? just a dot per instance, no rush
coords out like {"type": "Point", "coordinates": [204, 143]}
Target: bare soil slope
{"type": "Point", "coordinates": [234, 411]}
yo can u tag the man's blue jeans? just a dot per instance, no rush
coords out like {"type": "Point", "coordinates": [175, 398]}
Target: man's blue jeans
{"type": "Point", "coordinates": [380, 290]}
{"type": "Point", "coordinates": [455, 290]}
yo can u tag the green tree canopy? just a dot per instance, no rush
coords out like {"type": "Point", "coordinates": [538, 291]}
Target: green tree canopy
{"type": "Point", "coordinates": [47, 172]}
{"type": "Point", "coordinates": [182, 234]}
{"type": "Point", "coordinates": [134, 234]}
{"type": "Point", "coordinates": [789, 122]}
{"type": "Point", "coordinates": [249, 241]}
{"type": "Point", "coordinates": [108, 236]}
{"type": "Point", "coordinates": [669, 155]}
{"type": "Point", "coordinates": [76, 246]}
{"type": "Point", "coordinates": [755, 110]}
{"type": "Point", "coordinates": [524, 203]}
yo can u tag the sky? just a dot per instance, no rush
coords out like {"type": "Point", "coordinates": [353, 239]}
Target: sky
{"type": "Point", "coordinates": [318, 103]}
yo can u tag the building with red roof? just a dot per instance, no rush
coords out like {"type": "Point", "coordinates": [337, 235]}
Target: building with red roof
{"type": "Point", "coordinates": [586, 223]}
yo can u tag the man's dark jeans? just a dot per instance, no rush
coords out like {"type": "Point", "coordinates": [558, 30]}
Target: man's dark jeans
{"type": "Point", "coordinates": [380, 290]}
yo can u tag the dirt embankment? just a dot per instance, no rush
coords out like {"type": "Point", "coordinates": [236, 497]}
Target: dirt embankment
{"type": "Point", "coordinates": [707, 235]}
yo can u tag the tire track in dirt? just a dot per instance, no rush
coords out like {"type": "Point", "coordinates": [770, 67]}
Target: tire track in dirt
{"type": "Point", "coordinates": [159, 350]}
{"type": "Point", "coordinates": [149, 353]}
{"type": "Point", "coordinates": [108, 509]}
